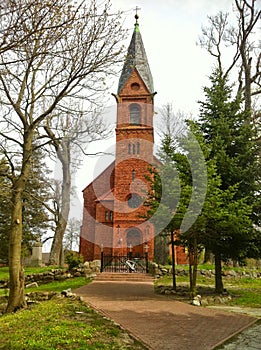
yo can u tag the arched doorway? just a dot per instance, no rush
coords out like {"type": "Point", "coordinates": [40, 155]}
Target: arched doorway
{"type": "Point", "coordinates": [134, 240]}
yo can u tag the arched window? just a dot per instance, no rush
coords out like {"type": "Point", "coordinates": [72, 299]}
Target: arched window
{"type": "Point", "coordinates": [138, 148]}
{"type": "Point", "coordinates": [135, 114]}
{"type": "Point", "coordinates": [133, 237]}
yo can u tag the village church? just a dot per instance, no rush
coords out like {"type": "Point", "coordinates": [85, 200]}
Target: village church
{"type": "Point", "coordinates": [114, 215]}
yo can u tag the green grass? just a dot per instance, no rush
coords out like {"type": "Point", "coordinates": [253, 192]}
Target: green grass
{"type": "Point", "coordinates": [4, 271]}
{"type": "Point", "coordinates": [61, 324]}
{"type": "Point", "coordinates": [56, 286]}
{"type": "Point", "coordinates": [245, 292]}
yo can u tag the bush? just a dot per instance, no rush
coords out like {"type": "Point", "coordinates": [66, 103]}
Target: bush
{"type": "Point", "coordinates": [73, 259]}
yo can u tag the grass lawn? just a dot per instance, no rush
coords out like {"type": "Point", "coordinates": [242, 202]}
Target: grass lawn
{"type": "Point", "coordinates": [4, 271]}
{"type": "Point", "coordinates": [62, 324]}
{"type": "Point", "coordinates": [245, 292]}
{"type": "Point", "coordinates": [56, 286]}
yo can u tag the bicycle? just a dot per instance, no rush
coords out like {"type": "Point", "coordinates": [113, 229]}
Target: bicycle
{"type": "Point", "coordinates": [134, 266]}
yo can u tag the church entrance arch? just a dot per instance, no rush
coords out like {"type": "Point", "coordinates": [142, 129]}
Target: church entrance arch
{"type": "Point", "coordinates": [134, 240]}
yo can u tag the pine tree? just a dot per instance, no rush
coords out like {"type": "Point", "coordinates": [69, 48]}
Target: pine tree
{"type": "Point", "coordinates": [229, 135]}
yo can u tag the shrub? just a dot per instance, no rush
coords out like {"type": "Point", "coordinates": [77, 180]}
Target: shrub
{"type": "Point", "coordinates": [73, 259]}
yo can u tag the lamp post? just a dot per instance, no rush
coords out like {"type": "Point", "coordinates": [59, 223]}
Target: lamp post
{"type": "Point", "coordinates": [130, 254]}
{"type": "Point", "coordinates": [120, 239]}
{"type": "Point", "coordinates": [121, 245]}
{"type": "Point", "coordinates": [101, 257]}
{"type": "Point", "coordinates": [130, 257]}
{"type": "Point", "coordinates": [147, 257]}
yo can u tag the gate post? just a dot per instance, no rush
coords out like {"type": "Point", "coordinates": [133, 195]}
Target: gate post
{"type": "Point", "coordinates": [101, 258]}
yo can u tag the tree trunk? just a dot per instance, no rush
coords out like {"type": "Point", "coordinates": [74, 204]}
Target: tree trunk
{"type": "Point", "coordinates": [16, 297]}
{"type": "Point", "coordinates": [207, 256]}
{"type": "Point", "coordinates": [218, 274]}
{"type": "Point", "coordinates": [195, 267]}
{"type": "Point", "coordinates": [190, 271]}
{"type": "Point", "coordinates": [57, 245]}
{"type": "Point", "coordinates": [161, 249]}
{"type": "Point", "coordinates": [174, 285]}
{"type": "Point", "coordinates": [193, 264]}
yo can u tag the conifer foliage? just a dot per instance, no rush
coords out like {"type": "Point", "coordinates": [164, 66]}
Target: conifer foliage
{"type": "Point", "coordinates": [229, 136]}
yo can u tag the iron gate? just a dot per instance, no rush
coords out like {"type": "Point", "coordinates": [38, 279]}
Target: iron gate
{"type": "Point", "coordinates": [121, 264]}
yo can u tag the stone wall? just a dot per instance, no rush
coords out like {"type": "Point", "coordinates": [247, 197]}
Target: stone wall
{"type": "Point", "coordinates": [88, 270]}
{"type": "Point", "coordinates": [158, 271]}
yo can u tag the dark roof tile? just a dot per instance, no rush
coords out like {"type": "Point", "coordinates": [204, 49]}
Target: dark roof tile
{"type": "Point", "coordinates": [136, 58]}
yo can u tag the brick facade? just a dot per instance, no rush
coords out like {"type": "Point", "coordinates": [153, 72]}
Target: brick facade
{"type": "Point", "coordinates": [114, 217]}
{"type": "Point", "coordinates": [109, 220]}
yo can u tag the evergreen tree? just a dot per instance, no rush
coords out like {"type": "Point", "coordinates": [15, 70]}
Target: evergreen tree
{"type": "Point", "coordinates": [177, 196]}
{"type": "Point", "coordinates": [229, 135]}
{"type": "Point", "coordinates": [5, 210]}
{"type": "Point", "coordinates": [35, 199]}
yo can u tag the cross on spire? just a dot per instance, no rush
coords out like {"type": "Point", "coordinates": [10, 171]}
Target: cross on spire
{"type": "Point", "coordinates": [136, 15]}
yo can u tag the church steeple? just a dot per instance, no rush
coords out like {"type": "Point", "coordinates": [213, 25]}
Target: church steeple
{"type": "Point", "coordinates": [136, 58]}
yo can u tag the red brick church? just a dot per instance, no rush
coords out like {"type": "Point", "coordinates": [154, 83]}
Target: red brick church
{"type": "Point", "coordinates": [113, 214]}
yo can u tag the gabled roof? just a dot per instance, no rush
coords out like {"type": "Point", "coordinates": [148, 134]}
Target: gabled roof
{"type": "Point", "coordinates": [108, 196]}
{"type": "Point", "coordinates": [136, 58]}
{"type": "Point", "coordinates": [100, 175]}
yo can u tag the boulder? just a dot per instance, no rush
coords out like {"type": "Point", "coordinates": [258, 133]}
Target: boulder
{"type": "Point", "coordinates": [32, 285]}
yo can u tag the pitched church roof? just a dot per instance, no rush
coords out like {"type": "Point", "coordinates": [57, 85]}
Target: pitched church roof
{"type": "Point", "coordinates": [136, 58]}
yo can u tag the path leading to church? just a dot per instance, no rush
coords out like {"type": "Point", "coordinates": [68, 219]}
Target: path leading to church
{"type": "Point", "coordinates": [159, 322]}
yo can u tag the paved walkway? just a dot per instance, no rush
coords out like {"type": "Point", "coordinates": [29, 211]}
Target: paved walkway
{"type": "Point", "coordinates": [159, 322]}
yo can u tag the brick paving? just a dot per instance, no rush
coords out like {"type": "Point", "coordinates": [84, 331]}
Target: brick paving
{"type": "Point", "coordinates": [159, 322]}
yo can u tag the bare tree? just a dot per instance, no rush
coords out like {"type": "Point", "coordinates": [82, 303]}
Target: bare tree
{"type": "Point", "coordinates": [69, 136]}
{"type": "Point", "coordinates": [241, 39]}
{"type": "Point", "coordinates": [65, 54]}
{"type": "Point", "coordinates": [72, 234]}
{"type": "Point", "coordinates": [171, 123]}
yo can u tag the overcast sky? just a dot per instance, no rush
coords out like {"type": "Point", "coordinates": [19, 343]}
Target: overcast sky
{"type": "Point", "coordinates": [170, 30]}
{"type": "Point", "coordinates": [180, 68]}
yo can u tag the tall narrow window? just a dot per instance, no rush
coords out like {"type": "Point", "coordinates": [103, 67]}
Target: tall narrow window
{"type": "Point", "coordinates": [133, 175]}
{"type": "Point", "coordinates": [111, 215]}
{"type": "Point", "coordinates": [138, 148]}
{"type": "Point", "coordinates": [106, 216]}
{"type": "Point", "coordinates": [135, 114]}
{"type": "Point", "coordinates": [133, 148]}
{"type": "Point", "coordinates": [129, 148]}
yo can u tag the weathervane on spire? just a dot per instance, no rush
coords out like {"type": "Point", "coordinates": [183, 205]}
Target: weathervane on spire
{"type": "Point", "coordinates": [136, 15]}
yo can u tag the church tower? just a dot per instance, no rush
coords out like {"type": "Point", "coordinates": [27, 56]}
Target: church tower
{"type": "Point", "coordinates": [134, 148]}
{"type": "Point", "coordinates": [114, 215]}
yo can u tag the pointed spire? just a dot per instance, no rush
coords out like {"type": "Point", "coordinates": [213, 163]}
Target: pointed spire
{"type": "Point", "coordinates": [136, 58]}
